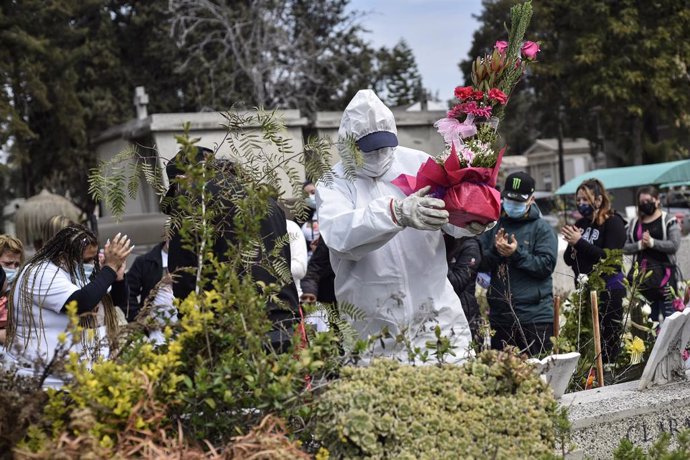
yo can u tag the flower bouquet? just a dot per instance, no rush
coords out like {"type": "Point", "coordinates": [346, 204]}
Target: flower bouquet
{"type": "Point", "coordinates": [465, 174]}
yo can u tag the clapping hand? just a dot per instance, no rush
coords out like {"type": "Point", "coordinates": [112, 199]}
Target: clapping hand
{"type": "Point", "coordinates": [505, 245]}
{"type": "Point", "coordinates": [571, 234]}
{"type": "Point", "coordinates": [116, 252]}
{"type": "Point", "coordinates": [646, 240]}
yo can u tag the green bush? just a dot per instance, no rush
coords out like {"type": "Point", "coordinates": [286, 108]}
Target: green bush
{"type": "Point", "coordinates": [660, 450]}
{"type": "Point", "coordinates": [491, 407]}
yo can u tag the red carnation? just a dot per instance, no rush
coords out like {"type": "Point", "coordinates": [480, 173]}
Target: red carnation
{"type": "Point", "coordinates": [497, 95]}
{"type": "Point", "coordinates": [463, 92]}
{"type": "Point", "coordinates": [478, 95]}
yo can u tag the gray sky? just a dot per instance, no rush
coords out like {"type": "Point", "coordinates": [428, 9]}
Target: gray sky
{"type": "Point", "coordinates": [438, 31]}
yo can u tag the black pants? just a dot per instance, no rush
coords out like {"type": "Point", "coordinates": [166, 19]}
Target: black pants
{"type": "Point", "coordinates": [611, 323]}
{"type": "Point", "coordinates": [534, 339]}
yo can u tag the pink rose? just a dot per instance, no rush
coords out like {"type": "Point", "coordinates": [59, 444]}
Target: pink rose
{"type": "Point", "coordinates": [678, 304]}
{"type": "Point", "coordinates": [530, 50]}
{"type": "Point", "coordinates": [501, 46]}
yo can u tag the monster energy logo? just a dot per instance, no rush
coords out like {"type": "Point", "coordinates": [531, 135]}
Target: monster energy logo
{"type": "Point", "coordinates": [516, 183]}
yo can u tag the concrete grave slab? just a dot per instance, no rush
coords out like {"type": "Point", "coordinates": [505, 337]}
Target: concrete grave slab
{"type": "Point", "coordinates": [602, 417]}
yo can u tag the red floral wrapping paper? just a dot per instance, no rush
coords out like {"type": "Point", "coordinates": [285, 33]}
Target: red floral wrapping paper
{"type": "Point", "coordinates": [469, 193]}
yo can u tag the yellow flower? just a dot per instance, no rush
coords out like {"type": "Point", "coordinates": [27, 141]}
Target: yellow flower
{"type": "Point", "coordinates": [323, 454]}
{"type": "Point", "coordinates": [635, 348]}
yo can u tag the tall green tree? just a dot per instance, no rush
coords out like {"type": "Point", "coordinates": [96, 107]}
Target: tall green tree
{"type": "Point", "coordinates": [51, 55]}
{"type": "Point", "coordinates": [401, 76]}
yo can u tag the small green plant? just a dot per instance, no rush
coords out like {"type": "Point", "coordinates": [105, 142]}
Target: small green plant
{"type": "Point", "coordinates": [660, 450]}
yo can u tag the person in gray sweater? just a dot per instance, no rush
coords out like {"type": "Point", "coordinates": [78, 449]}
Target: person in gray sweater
{"type": "Point", "coordinates": [653, 238]}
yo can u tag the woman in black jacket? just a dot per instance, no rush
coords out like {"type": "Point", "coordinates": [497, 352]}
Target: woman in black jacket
{"type": "Point", "coordinates": [599, 228]}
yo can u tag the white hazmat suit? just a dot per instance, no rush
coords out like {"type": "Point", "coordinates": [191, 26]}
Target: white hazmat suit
{"type": "Point", "coordinates": [395, 273]}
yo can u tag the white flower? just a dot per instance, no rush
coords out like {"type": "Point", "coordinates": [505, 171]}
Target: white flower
{"type": "Point", "coordinates": [646, 309]}
{"type": "Point", "coordinates": [582, 279]}
{"type": "Point", "coordinates": [562, 320]}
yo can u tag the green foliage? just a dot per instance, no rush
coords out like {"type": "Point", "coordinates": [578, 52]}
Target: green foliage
{"type": "Point", "coordinates": [660, 450]}
{"type": "Point", "coordinates": [217, 375]}
{"type": "Point", "coordinates": [21, 404]}
{"type": "Point", "coordinates": [340, 317]}
{"type": "Point", "coordinates": [491, 407]}
{"type": "Point", "coordinates": [577, 334]}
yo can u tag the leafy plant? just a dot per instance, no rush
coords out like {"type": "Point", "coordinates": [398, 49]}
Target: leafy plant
{"type": "Point", "coordinates": [491, 407]}
{"type": "Point", "coordinates": [577, 333]}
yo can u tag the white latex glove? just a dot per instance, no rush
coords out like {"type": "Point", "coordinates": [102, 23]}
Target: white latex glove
{"type": "Point", "coordinates": [420, 212]}
{"type": "Point", "coordinates": [472, 229]}
{"type": "Point", "coordinates": [457, 232]}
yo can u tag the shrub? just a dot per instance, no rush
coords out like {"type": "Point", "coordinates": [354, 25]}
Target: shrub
{"type": "Point", "coordinates": [492, 407]}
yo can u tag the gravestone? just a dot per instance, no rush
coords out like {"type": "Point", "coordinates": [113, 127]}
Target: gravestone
{"type": "Point", "coordinates": [602, 417]}
{"type": "Point", "coordinates": [640, 410]}
{"type": "Point", "coordinates": [665, 362]}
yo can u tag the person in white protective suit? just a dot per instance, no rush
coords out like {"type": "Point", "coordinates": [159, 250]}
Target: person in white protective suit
{"type": "Point", "coordinates": [387, 249]}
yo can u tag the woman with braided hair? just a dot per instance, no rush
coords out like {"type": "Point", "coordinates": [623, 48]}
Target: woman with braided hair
{"type": "Point", "coordinates": [52, 279]}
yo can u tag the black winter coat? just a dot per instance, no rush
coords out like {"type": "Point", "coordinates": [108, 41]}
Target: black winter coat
{"type": "Point", "coordinates": [144, 274]}
{"type": "Point", "coordinates": [589, 250]}
{"type": "Point", "coordinates": [464, 256]}
{"type": "Point", "coordinates": [320, 278]}
{"type": "Point", "coordinates": [272, 227]}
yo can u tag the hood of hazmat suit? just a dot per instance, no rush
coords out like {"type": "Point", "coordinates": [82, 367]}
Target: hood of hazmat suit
{"type": "Point", "coordinates": [397, 276]}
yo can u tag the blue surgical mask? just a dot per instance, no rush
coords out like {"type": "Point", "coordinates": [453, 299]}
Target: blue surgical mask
{"type": "Point", "coordinates": [514, 209]}
{"type": "Point", "coordinates": [10, 274]}
{"type": "Point", "coordinates": [585, 209]}
{"type": "Point", "coordinates": [88, 270]}
{"type": "Point", "coordinates": [311, 201]}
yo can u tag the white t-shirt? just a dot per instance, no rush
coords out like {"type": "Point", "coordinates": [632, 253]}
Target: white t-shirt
{"type": "Point", "coordinates": [298, 253]}
{"type": "Point", "coordinates": [37, 335]}
{"type": "Point", "coordinates": [51, 287]}
{"type": "Point", "coordinates": [164, 258]}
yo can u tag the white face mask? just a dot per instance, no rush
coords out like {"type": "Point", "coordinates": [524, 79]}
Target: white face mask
{"type": "Point", "coordinates": [88, 270]}
{"type": "Point", "coordinates": [377, 162]}
{"type": "Point", "coordinates": [10, 274]}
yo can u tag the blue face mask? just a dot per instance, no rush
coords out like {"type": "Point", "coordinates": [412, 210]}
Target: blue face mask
{"type": "Point", "coordinates": [88, 270]}
{"type": "Point", "coordinates": [514, 209]}
{"type": "Point", "coordinates": [585, 209]}
{"type": "Point", "coordinates": [10, 274]}
{"type": "Point", "coordinates": [311, 201]}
